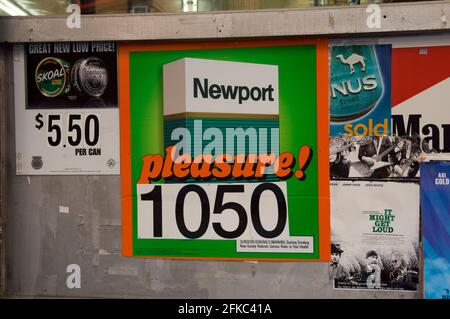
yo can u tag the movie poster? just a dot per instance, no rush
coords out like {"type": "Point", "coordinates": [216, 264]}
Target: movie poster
{"type": "Point", "coordinates": [383, 157]}
{"type": "Point", "coordinates": [66, 109]}
{"type": "Point", "coordinates": [374, 235]}
{"type": "Point", "coordinates": [360, 90]}
{"type": "Point", "coordinates": [435, 201]}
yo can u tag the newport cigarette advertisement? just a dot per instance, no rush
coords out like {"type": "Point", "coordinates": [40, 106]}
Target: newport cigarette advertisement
{"type": "Point", "coordinates": [224, 149]}
{"type": "Point", "coordinates": [420, 95]}
{"type": "Point", "coordinates": [374, 235]}
{"type": "Point", "coordinates": [360, 90]}
{"type": "Point", "coordinates": [435, 201]}
{"type": "Point", "coordinates": [66, 109]}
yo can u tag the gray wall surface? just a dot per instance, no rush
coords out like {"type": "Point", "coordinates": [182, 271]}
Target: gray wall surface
{"type": "Point", "coordinates": [41, 242]}
{"type": "Point", "coordinates": [413, 17]}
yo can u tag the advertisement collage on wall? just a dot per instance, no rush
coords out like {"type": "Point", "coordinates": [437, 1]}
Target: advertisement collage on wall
{"type": "Point", "coordinates": [223, 147]}
{"type": "Point", "coordinates": [375, 235]}
{"type": "Point", "coordinates": [381, 250]}
{"type": "Point", "coordinates": [370, 171]}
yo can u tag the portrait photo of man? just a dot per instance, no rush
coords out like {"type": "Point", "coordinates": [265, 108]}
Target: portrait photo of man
{"type": "Point", "coordinates": [335, 270]}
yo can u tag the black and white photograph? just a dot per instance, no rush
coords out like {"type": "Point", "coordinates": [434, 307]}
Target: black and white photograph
{"type": "Point", "coordinates": [366, 157]}
{"type": "Point", "coordinates": [374, 244]}
{"type": "Point", "coordinates": [387, 269]}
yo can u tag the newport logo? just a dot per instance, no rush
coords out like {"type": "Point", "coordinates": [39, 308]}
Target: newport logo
{"type": "Point", "coordinates": [213, 86]}
{"type": "Point", "coordinates": [243, 93]}
{"type": "Point", "coordinates": [221, 113]}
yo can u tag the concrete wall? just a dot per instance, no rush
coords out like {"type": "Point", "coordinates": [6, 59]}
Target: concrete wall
{"type": "Point", "coordinates": [39, 240]}
{"type": "Point", "coordinates": [412, 18]}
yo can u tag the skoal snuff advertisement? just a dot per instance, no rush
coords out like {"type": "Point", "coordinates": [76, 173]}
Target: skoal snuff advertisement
{"type": "Point", "coordinates": [67, 118]}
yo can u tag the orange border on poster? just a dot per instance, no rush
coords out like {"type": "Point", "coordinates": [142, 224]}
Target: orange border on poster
{"type": "Point", "coordinates": [322, 134]}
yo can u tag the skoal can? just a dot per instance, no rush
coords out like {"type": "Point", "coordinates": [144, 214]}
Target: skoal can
{"type": "Point", "coordinates": [52, 77]}
{"type": "Point", "coordinates": [356, 83]}
{"type": "Point", "coordinates": [89, 77]}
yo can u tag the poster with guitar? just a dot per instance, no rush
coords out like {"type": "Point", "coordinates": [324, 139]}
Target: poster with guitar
{"type": "Point", "coordinates": [374, 158]}
{"type": "Point", "coordinates": [375, 235]}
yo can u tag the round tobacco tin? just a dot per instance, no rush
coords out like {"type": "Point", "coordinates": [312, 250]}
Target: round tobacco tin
{"type": "Point", "coordinates": [90, 77]}
{"type": "Point", "coordinates": [51, 77]}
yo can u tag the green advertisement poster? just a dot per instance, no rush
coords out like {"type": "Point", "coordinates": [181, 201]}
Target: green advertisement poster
{"type": "Point", "coordinates": [224, 150]}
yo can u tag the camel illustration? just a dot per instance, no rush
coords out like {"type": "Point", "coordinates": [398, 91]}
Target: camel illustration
{"type": "Point", "coordinates": [352, 60]}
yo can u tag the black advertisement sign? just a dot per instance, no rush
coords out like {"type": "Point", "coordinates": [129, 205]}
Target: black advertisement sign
{"type": "Point", "coordinates": [71, 75]}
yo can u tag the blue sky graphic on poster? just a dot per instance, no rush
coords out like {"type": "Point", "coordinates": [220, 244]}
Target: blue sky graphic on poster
{"type": "Point", "coordinates": [435, 201]}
